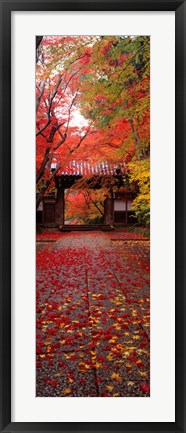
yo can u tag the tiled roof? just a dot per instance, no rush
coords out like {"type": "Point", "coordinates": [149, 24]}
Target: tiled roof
{"type": "Point", "coordinates": [83, 168]}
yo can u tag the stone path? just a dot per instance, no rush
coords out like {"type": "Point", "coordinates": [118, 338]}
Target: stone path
{"type": "Point", "coordinates": [93, 316]}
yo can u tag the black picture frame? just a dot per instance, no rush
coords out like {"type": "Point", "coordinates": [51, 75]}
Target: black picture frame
{"type": "Point", "coordinates": [5, 214]}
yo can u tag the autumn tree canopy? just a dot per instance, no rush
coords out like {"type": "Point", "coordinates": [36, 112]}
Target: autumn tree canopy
{"type": "Point", "coordinates": [93, 104]}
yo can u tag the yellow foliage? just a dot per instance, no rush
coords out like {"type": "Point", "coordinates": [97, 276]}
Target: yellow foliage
{"type": "Point", "coordinates": [116, 376]}
{"type": "Point", "coordinates": [67, 391]}
{"type": "Point", "coordinates": [140, 175]}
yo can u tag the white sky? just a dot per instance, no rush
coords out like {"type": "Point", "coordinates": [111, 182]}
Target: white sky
{"type": "Point", "coordinates": [77, 119]}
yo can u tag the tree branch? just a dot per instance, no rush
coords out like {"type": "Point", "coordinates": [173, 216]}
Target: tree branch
{"type": "Point", "coordinates": [50, 106]}
{"type": "Point", "coordinates": [42, 88]}
{"type": "Point", "coordinates": [94, 203]}
{"type": "Point", "coordinates": [43, 164]}
{"type": "Point", "coordinates": [48, 182]}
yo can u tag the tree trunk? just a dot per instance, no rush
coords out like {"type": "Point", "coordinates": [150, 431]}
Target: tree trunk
{"type": "Point", "coordinates": [38, 41]}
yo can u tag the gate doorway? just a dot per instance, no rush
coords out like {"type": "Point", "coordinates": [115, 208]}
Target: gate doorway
{"type": "Point", "coordinates": [83, 207]}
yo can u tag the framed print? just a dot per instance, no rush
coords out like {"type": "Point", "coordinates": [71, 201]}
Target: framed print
{"type": "Point", "coordinates": [92, 258]}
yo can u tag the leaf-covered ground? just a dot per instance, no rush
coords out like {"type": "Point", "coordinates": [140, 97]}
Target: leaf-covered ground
{"type": "Point", "coordinates": [93, 314]}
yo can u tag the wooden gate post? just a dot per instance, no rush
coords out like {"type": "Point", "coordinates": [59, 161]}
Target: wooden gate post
{"type": "Point", "coordinates": [59, 214]}
{"type": "Point", "coordinates": [109, 211]}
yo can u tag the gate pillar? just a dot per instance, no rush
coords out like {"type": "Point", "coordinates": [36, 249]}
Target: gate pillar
{"type": "Point", "coordinates": [59, 211]}
{"type": "Point", "coordinates": [109, 211]}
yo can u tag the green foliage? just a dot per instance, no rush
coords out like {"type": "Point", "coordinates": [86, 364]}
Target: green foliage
{"type": "Point", "coordinates": [140, 230]}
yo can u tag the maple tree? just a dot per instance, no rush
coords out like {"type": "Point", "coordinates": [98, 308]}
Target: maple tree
{"type": "Point", "coordinates": [93, 101]}
{"type": "Point", "coordinates": [116, 94]}
{"type": "Point", "coordinates": [84, 206]}
{"type": "Point", "coordinates": [59, 64]}
{"type": "Point", "coordinates": [117, 99]}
